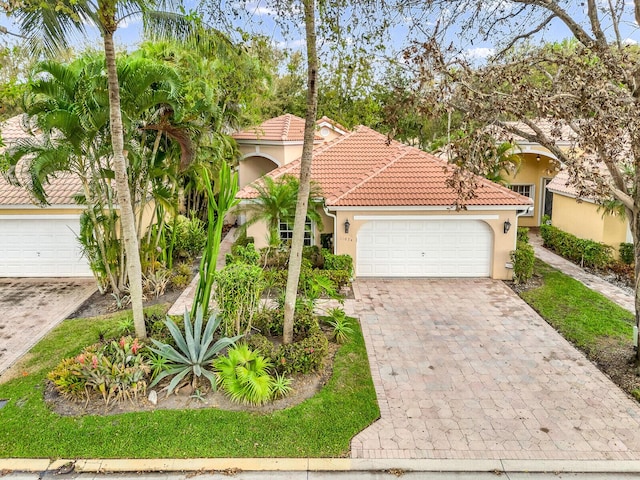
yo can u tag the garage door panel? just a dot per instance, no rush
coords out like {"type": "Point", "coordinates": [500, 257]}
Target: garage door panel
{"type": "Point", "coordinates": [41, 247]}
{"type": "Point", "coordinates": [431, 248]}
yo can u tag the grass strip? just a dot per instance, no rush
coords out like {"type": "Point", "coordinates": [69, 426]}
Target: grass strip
{"type": "Point", "coordinates": [321, 426]}
{"type": "Point", "coordinates": [582, 316]}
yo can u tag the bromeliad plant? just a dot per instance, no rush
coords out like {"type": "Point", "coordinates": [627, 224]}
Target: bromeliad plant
{"type": "Point", "coordinates": [193, 353]}
{"type": "Point", "coordinates": [117, 370]}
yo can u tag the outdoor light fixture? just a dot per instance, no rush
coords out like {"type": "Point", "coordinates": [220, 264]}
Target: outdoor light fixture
{"type": "Point", "coordinates": [538, 158]}
{"type": "Point", "coordinates": [346, 226]}
{"type": "Point", "coordinates": [507, 226]}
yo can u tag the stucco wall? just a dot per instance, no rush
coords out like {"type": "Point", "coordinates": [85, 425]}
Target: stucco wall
{"type": "Point", "coordinates": [252, 168]}
{"type": "Point", "coordinates": [583, 220]}
{"type": "Point", "coordinates": [33, 210]}
{"type": "Point", "coordinates": [503, 244]}
{"type": "Point", "coordinates": [532, 172]}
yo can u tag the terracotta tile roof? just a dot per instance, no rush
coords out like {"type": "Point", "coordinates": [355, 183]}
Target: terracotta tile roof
{"type": "Point", "coordinates": [361, 169]}
{"type": "Point", "coordinates": [285, 128]}
{"type": "Point", "coordinates": [60, 190]}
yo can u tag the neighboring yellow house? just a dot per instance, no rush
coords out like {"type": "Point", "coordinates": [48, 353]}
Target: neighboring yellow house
{"type": "Point", "coordinates": [539, 178]}
{"type": "Point", "coordinates": [584, 218]}
{"type": "Point", "coordinates": [388, 205]}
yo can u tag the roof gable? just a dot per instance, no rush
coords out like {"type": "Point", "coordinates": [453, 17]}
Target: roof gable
{"type": "Point", "coordinates": [60, 190]}
{"type": "Point", "coordinates": [285, 128]}
{"type": "Point", "coordinates": [363, 169]}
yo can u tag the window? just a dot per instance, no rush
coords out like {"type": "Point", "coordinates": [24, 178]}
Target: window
{"type": "Point", "coordinates": [286, 232]}
{"type": "Point", "coordinates": [527, 191]}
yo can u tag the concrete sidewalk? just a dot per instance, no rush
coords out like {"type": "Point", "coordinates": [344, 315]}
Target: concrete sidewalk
{"type": "Point", "coordinates": [286, 468]}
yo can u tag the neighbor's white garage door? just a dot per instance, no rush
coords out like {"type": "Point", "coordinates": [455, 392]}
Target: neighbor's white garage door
{"type": "Point", "coordinates": [424, 248]}
{"type": "Point", "coordinates": [39, 246]}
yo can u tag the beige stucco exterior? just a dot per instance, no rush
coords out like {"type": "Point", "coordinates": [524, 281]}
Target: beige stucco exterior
{"type": "Point", "coordinates": [33, 210]}
{"type": "Point", "coordinates": [346, 243]}
{"type": "Point", "coordinates": [592, 225]}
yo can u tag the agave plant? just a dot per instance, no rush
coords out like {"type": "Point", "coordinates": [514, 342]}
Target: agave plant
{"type": "Point", "coordinates": [193, 351]}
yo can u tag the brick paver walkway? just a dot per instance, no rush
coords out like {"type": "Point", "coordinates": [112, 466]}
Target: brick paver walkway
{"type": "Point", "coordinates": [613, 293]}
{"type": "Point", "coordinates": [186, 298]}
{"type": "Point", "coordinates": [465, 369]}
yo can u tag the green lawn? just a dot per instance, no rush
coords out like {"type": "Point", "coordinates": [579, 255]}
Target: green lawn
{"type": "Point", "coordinates": [320, 427]}
{"type": "Point", "coordinates": [583, 316]}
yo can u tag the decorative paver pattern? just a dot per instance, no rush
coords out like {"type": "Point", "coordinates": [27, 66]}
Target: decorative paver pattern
{"type": "Point", "coordinates": [464, 369]}
{"type": "Point", "coordinates": [31, 307]}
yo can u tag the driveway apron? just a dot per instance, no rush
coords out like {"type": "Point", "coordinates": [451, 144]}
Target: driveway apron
{"type": "Point", "coordinates": [464, 369]}
{"type": "Point", "coordinates": [31, 307]}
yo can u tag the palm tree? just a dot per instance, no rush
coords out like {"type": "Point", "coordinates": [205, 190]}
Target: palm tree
{"type": "Point", "coordinates": [276, 203]}
{"type": "Point", "coordinates": [70, 108]}
{"type": "Point", "coordinates": [48, 27]}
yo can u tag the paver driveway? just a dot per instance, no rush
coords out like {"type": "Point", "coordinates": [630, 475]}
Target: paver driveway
{"type": "Point", "coordinates": [30, 307]}
{"type": "Point", "coordinates": [465, 369]}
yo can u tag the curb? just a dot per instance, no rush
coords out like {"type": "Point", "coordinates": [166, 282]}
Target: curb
{"type": "Point", "coordinates": [319, 464]}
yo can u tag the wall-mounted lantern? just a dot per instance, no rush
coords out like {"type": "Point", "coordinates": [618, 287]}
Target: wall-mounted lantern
{"type": "Point", "coordinates": [347, 225]}
{"type": "Point", "coordinates": [538, 158]}
{"type": "Point", "coordinates": [507, 226]}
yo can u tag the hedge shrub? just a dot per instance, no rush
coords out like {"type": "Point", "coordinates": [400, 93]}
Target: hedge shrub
{"type": "Point", "coordinates": [627, 255]}
{"type": "Point", "coordinates": [523, 258]}
{"type": "Point", "coordinates": [586, 253]}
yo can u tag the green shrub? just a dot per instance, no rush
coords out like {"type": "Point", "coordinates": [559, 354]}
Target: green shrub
{"type": "Point", "coordinates": [189, 236]}
{"type": "Point", "coordinates": [302, 356]}
{"type": "Point", "coordinates": [523, 234]}
{"type": "Point", "coordinates": [243, 254]}
{"type": "Point", "coordinates": [237, 291]}
{"type": "Point", "coordinates": [305, 356]}
{"type": "Point", "coordinates": [523, 259]}
{"type": "Point", "coordinates": [627, 254]}
{"type": "Point", "coordinates": [313, 255]}
{"type": "Point", "coordinates": [339, 278]}
{"type": "Point", "coordinates": [117, 370]}
{"type": "Point", "coordinates": [337, 262]}
{"type": "Point", "coordinates": [586, 253]}
{"type": "Point", "coordinates": [244, 375]}
{"type": "Point", "coordinates": [269, 321]}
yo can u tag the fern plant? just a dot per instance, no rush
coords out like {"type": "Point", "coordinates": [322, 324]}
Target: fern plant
{"type": "Point", "coordinates": [244, 375]}
{"type": "Point", "coordinates": [193, 351]}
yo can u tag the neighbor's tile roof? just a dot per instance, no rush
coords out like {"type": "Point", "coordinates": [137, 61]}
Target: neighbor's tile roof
{"type": "Point", "coordinates": [285, 128]}
{"type": "Point", "coordinates": [60, 190]}
{"type": "Point", "coordinates": [363, 169]}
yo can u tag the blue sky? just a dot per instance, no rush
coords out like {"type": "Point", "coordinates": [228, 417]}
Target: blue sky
{"type": "Point", "coordinates": [259, 18]}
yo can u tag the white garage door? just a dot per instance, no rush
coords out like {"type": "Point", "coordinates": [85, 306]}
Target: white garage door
{"type": "Point", "coordinates": [424, 248]}
{"type": "Point", "coordinates": [41, 247]}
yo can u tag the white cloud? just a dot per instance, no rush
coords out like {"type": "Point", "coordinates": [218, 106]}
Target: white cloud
{"type": "Point", "coordinates": [629, 41]}
{"type": "Point", "coordinates": [479, 53]}
{"type": "Point", "coordinates": [292, 44]}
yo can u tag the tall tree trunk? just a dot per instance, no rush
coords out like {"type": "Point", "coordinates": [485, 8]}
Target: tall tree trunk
{"type": "Point", "coordinates": [127, 217]}
{"type": "Point", "coordinates": [297, 241]}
